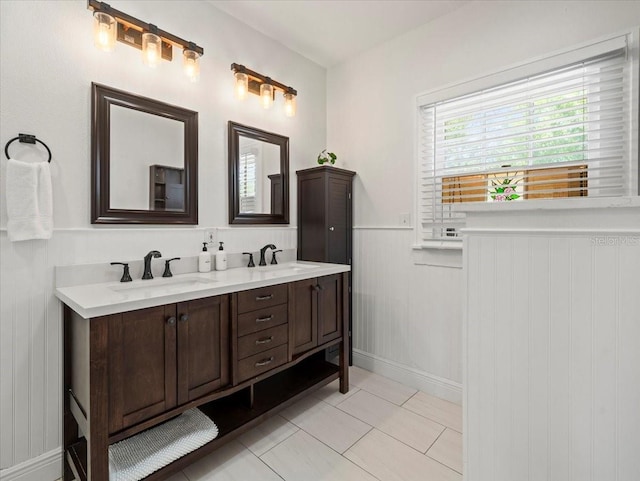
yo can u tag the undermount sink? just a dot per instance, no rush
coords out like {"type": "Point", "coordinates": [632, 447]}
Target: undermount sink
{"type": "Point", "coordinates": [163, 286]}
{"type": "Point", "coordinates": [293, 267]}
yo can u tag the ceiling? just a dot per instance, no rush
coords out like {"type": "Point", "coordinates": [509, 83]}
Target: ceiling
{"type": "Point", "coordinates": [330, 31]}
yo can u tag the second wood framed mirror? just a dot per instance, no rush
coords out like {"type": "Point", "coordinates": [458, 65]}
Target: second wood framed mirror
{"type": "Point", "coordinates": [258, 176]}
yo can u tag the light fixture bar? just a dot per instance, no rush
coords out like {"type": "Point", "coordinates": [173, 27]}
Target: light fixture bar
{"type": "Point", "coordinates": [256, 79]}
{"type": "Point", "coordinates": [130, 30]}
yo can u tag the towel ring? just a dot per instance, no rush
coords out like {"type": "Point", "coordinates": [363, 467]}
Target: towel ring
{"type": "Point", "coordinates": [26, 139]}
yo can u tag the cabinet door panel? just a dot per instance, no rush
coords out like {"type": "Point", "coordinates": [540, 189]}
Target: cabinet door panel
{"type": "Point", "coordinates": [312, 225]}
{"type": "Point", "coordinates": [203, 347]}
{"type": "Point", "coordinates": [339, 220]}
{"type": "Point", "coordinates": [303, 320]}
{"type": "Point", "coordinates": [142, 365]}
{"type": "Point", "coordinates": [329, 308]}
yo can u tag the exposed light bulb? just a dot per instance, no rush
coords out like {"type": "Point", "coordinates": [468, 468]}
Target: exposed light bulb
{"type": "Point", "coordinates": [242, 85]}
{"type": "Point", "coordinates": [289, 104]}
{"type": "Point", "coordinates": [104, 31]}
{"type": "Point", "coordinates": [151, 49]}
{"type": "Point", "coordinates": [266, 95]}
{"type": "Point", "coordinates": [191, 64]}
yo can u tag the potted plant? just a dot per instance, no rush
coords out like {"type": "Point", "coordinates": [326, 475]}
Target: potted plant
{"type": "Point", "coordinates": [327, 157]}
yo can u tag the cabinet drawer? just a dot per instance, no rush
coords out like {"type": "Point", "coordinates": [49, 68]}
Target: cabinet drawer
{"type": "Point", "coordinates": [263, 297]}
{"type": "Point", "coordinates": [262, 340]}
{"type": "Point", "coordinates": [261, 362]}
{"type": "Point", "coordinates": [262, 319]}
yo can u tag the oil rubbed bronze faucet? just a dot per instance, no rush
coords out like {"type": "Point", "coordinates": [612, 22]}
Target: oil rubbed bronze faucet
{"type": "Point", "coordinates": [147, 264]}
{"type": "Point", "coordinates": [262, 252]}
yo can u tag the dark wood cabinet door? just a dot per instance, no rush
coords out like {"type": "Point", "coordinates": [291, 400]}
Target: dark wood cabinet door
{"type": "Point", "coordinates": [203, 347]}
{"type": "Point", "coordinates": [303, 318]}
{"type": "Point", "coordinates": [339, 220]}
{"type": "Point", "coordinates": [312, 226]}
{"type": "Point", "coordinates": [329, 308]}
{"type": "Point", "coordinates": [142, 365]}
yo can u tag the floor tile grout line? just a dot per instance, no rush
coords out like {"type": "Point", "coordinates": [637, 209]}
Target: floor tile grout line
{"type": "Point", "coordinates": [269, 467]}
{"type": "Point", "coordinates": [443, 464]}
{"type": "Point", "coordinates": [354, 443]}
{"type": "Point", "coordinates": [298, 428]}
{"type": "Point", "coordinates": [435, 440]}
{"type": "Point", "coordinates": [422, 454]}
{"type": "Point", "coordinates": [434, 420]}
{"type": "Point", "coordinates": [444, 426]}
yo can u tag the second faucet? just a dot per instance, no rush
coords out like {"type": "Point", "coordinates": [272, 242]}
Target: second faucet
{"type": "Point", "coordinates": [262, 252]}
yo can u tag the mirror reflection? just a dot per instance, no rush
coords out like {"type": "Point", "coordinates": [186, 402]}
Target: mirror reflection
{"type": "Point", "coordinates": [147, 161]}
{"type": "Point", "coordinates": [258, 176]}
{"type": "Point", "coordinates": [259, 169]}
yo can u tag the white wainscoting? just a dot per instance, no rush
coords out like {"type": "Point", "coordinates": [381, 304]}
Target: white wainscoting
{"type": "Point", "coordinates": [407, 317]}
{"type": "Point", "coordinates": [30, 324]}
{"type": "Point", "coordinates": [552, 346]}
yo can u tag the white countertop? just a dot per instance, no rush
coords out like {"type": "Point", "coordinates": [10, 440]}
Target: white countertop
{"type": "Point", "coordinates": [101, 299]}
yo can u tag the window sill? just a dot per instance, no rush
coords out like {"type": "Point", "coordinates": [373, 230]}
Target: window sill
{"type": "Point", "coordinates": [437, 253]}
{"type": "Point", "coordinates": [455, 245]}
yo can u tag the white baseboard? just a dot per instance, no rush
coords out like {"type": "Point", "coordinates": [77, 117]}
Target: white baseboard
{"type": "Point", "coordinates": [429, 383]}
{"type": "Point", "coordinates": [46, 467]}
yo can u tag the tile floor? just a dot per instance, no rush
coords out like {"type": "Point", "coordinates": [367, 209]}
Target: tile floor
{"type": "Point", "coordinates": [379, 431]}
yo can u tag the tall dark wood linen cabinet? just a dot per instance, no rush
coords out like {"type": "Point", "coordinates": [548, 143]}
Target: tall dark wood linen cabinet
{"type": "Point", "coordinates": [325, 220]}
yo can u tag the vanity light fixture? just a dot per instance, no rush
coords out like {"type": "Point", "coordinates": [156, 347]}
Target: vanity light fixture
{"type": "Point", "coordinates": [248, 81]}
{"type": "Point", "coordinates": [156, 44]}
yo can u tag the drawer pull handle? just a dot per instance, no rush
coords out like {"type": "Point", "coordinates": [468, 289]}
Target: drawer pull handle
{"type": "Point", "coordinates": [264, 298]}
{"type": "Point", "coordinates": [264, 362]}
{"type": "Point", "coordinates": [264, 340]}
{"type": "Point", "coordinates": [264, 319]}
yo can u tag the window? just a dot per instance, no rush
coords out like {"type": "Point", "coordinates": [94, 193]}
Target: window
{"type": "Point", "coordinates": [562, 130]}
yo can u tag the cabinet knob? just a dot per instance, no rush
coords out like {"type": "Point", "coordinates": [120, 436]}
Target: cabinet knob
{"type": "Point", "coordinates": [332, 228]}
{"type": "Point", "coordinates": [184, 317]}
{"type": "Point", "coordinates": [171, 321]}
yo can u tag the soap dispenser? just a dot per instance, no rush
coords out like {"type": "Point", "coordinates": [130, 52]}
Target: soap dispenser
{"type": "Point", "coordinates": [221, 258]}
{"type": "Point", "coordinates": [204, 259]}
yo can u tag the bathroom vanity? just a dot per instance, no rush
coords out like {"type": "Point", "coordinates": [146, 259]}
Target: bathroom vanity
{"type": "Point", "coordinates": [240, 345]}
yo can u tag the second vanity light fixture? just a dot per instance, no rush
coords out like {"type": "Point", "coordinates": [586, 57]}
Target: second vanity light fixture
{"type": "Point", "coordinates": [110, 25]}
{"type": "Point", "coordinates": [248, 81]}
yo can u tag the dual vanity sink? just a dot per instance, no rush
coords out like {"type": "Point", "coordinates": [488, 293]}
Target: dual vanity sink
{"type": "Point", "coordinates": [91, 300]}
{"type": "Point", "coordinates": [154, 287]}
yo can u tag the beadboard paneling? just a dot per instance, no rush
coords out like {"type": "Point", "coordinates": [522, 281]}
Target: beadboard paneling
{"type": "Point", "coordinates": [402, 312]}
{"type": "Point", "coordinates": [552, 343]}
{"type": "Point", "coordinates": [30, 317]}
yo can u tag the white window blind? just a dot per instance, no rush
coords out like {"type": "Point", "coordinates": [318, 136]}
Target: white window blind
{"type": "Point", "coordinates": [561, 133]}
{"type": "Point", "coordinates": [247, 181]}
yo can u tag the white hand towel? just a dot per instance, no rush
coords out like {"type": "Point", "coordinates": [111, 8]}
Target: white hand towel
{"type": "Point", "coordinates": [29, 200]}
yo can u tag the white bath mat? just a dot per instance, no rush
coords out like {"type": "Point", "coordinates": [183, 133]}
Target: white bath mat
{"type": "Point", "coordinates": [138, 456]}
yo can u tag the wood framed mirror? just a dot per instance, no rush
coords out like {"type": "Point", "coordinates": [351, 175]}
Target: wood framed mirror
{"type": "Point", "coordinates": [144, 160]}
{"type": "Point", "coordinates": [258, 176]}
